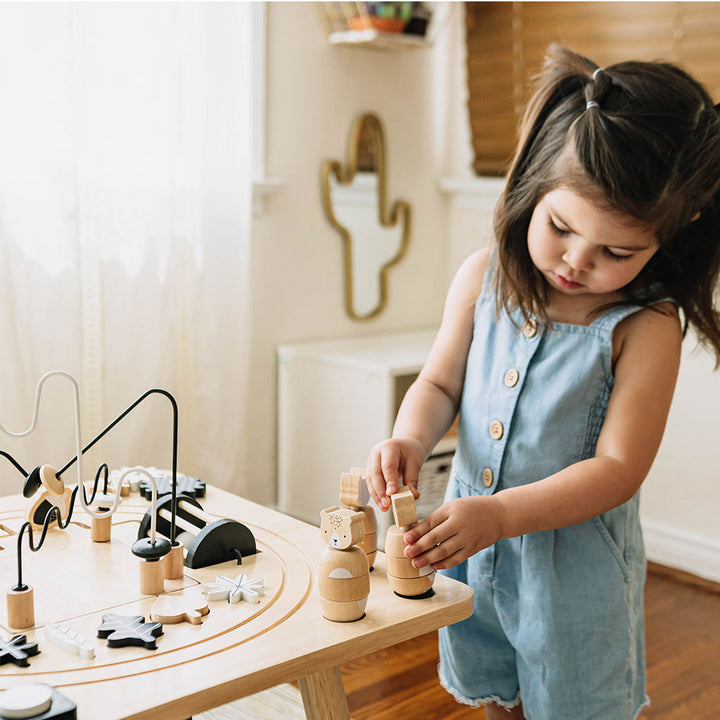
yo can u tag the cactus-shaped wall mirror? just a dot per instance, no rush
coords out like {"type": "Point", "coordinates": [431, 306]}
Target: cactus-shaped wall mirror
{"type": "Point", "coordinates": [374, 233]}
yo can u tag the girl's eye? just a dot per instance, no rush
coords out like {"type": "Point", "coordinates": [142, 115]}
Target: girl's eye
{"type": "Point", "coordinates": [557, 230]}
{"type": "Point", "coordinates": [614, 256]}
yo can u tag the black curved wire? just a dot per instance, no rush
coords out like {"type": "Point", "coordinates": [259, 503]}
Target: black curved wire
{"type": "Point", "coordinates": [102, 433]}
{"type": "Point", "coordinates": [52, 514]}
{"type": "Point", "coordinates": [55, 512]}
{"type": "Point", "coordinates": [14, 462]}
{"type": "Point", "coordinates": [102, 468]}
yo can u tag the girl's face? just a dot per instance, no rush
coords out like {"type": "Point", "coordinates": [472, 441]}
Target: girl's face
{"type": "Point", "coordinates": [582, 249]}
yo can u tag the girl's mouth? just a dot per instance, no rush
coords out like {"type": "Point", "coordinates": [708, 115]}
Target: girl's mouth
{"type": "Point", "coordinates": [565, 283]}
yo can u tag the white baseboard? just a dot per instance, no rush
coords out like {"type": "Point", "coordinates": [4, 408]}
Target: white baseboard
{"type": "Point", "coordinates": [682, 550]}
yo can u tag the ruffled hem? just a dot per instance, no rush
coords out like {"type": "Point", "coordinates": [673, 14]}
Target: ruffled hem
{"type": "Point", "coordinates": [645, 703]}
{"type": "Point", "coordinates": [478, 702]}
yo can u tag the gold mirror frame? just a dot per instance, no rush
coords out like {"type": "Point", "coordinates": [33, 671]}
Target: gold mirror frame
{"type": "Point", "coordinates": [368, 127]}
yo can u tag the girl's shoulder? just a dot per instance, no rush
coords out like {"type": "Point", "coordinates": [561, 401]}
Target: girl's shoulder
{"type": "Point", "coordinates": [464, 292]}
{"type": "Point", "coordinates": [654, 329]}
{"type": "Point", "coordinates": [474, 273]}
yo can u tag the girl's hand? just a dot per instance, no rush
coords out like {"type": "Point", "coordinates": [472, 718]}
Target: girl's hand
{"type": "Point", "coordinates": [389, 461]}
{"type": "Point", "coordinates": [455, 531]}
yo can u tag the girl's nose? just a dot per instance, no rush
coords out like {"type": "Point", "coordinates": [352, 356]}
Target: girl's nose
{"type": "Point", "coordinates": [578, 256]}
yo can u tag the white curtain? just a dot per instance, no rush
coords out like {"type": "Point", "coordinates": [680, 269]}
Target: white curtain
{"type": "Point", "coordinates": [125, 205]}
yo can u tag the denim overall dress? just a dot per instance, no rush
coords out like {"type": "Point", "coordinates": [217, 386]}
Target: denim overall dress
{"type": "Point", "coordinates": [558, 615]}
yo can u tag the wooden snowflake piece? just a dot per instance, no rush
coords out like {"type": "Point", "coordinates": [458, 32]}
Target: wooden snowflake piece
{"type": "Point", "coordinates": [242, 588]}
{"type": "Point", "coordinates": [122, 630]}
{"type": "Point", "coordinates": [68, 640]}
{"type": "Point", "coordinates": [17, 650]}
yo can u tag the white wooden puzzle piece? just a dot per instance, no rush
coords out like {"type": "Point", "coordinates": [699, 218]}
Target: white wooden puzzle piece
{"type": "Point", "coordinates": [242, 588]}
{"type": "Point", "coordinates": [68, 640]}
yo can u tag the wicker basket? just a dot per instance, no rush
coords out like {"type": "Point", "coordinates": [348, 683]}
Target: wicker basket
{"type": "Point", "coordinates": [387, 25]}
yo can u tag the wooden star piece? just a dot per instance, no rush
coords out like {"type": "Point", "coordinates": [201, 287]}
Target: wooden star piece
{"type": "Point", "coordinates": [242, 588]}
{"type": "Point", "coordinates": [123, 630]}
{"type": "Point", "coordinates": [17, 650]}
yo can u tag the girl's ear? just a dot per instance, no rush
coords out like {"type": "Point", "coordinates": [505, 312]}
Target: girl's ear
{"type": "Point", "coordinates": [695, 216]}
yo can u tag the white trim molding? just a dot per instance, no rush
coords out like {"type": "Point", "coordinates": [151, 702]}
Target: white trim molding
{"type": "Point", "coordinates": [263, 186]}
{"type": "Point", "coordinates": [473, 192]}
{"type": "Point", "coordinates": [682, 550]}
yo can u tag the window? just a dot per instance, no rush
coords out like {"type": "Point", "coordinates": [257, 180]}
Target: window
{"type": "Point", "coordinates": [506, 43]}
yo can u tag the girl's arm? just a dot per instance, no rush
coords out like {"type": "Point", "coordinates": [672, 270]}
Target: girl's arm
{"type": "Point", "coordinates": [432, 401]}
{"type": "Point", "coordinates": [647, 351]}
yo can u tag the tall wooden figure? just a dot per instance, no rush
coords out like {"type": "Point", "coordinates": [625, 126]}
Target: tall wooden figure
{"type": "Point", "coordinates": [354, 495]}
{"type": "Point", "coordinates": [344, 576]}
{"type": "Point", "coordinates": [405, 579]}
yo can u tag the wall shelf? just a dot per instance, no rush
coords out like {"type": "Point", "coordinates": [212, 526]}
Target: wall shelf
{"type": "Point", "coordinates": [378, 40]}
{"type": "Point", "coordinates": [393, 26]}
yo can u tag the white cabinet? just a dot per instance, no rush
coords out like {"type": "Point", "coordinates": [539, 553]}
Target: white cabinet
{"type": "Point", "coordinates": [336, 399]}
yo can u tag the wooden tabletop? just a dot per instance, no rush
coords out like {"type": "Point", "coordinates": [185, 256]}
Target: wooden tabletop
{"type": "Point", "coordinates": [237, 650]}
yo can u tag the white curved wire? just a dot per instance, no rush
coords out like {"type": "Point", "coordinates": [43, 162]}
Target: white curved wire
{"type": "Point", "coordinates": [153, 502]}
{"type": "Point", "coordinates": [101, 513]}
{"type": "Point", "coordinates": [36, 409]}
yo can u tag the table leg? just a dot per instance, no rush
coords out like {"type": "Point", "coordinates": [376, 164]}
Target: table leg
{"type": "Point", "coordinates": [323, 695]}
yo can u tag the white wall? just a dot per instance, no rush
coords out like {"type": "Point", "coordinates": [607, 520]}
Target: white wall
{"type": "Point", "coordinates": [314, 91]}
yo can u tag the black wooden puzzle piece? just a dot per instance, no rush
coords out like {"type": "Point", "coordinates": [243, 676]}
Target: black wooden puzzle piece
{"type": "Point", "coordinates": [62, 708]}
{"type": "Point", "coordinates": [17, 650]}
{"type": "Point", "coordinates": [123, 630]}
{"type": "Point", "coordinates": [185, 485]}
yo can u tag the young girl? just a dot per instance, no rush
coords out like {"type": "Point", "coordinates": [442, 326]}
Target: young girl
{"type": "Point", "coordinates": [560, 349]}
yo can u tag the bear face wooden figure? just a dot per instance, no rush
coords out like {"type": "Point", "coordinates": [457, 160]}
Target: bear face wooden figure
{"type": "Point", "coordinates": [341, 527]}
{"type": "Point", "coordinates": [344, 579]}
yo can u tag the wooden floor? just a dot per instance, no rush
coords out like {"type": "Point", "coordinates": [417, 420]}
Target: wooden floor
{"type": "Point", "coordinates": [683, 655]}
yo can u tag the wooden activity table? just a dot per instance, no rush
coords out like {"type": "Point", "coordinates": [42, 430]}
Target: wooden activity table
{"type": "Point", "coordinates": [239, 649]}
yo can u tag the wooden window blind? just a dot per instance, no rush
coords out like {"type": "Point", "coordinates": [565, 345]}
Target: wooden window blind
{"type": "Point", "coordinates": [506, 43]}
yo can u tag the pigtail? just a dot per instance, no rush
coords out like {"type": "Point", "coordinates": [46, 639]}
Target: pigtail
{"type": "Point", "coordinates": [642, 138]}
{"type": "Point", "coordinates": [687, 221]}
{"type": "Point", "coordinates": [559, 98]}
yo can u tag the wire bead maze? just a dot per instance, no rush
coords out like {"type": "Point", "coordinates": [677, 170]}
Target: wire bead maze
{"type": "Point", "coordinates": [48, 509]}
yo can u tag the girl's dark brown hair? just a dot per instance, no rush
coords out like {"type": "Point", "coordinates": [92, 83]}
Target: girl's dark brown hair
{"type": "Point", "coordinates": [640, 138]}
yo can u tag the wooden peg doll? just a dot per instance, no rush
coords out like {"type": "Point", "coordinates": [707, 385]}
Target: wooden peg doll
{"type": "Point", "coordinates": [405, 579]}
{"type": "Point", "coordinates": [344, 579]}
{"type": "Point", "coordinates": [354, 495]}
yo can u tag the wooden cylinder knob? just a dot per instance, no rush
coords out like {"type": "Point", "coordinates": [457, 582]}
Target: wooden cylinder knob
{"type": "Point", "coordinates": [152, 579]}
{"type": "Point", "coordinates": [100, 528]}
{"type": "Point", "coordinates": [344, 583]}
{"type": "Point", "coordinates": [344, 589]}
{"type": "Point", "coordinates": [404, 578]}
{"type": "Point", "coordinates": [339, 611]}
{"type": "Point", "coordinates": [402, 567]}
{"type": "Point", "coordinates": [413, 587]}
{"type": "Point", "coordinates": [395, 542]}
{"type": "Point", "coordinates": [369, 545]}
{"type": "Point", "coordinates": [173, 567]}
{"type": "Point", "coordinates": [20, 608]}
